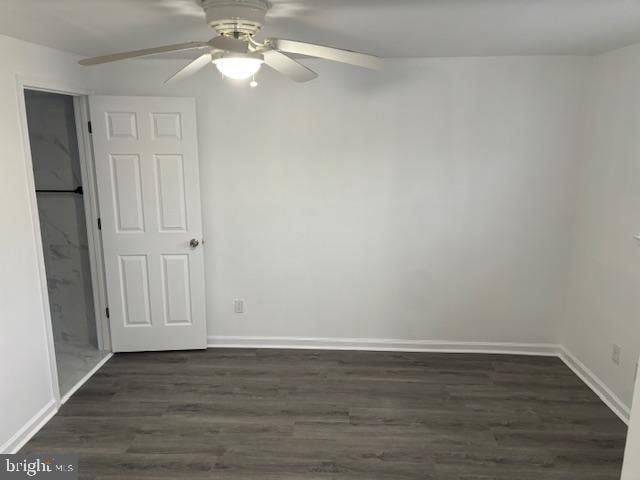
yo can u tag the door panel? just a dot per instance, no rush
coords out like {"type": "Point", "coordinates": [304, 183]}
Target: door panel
{"type": "Point", "coordinates": [149, 191]}
{"type": "Point", "coordinates": [127, 192]}
{"type": "Point", "coordinates": [172, 213]}
{"type": "Point", "coordinates": [177, 301]}
{"type": "Point", "coordinates": [134, 282]}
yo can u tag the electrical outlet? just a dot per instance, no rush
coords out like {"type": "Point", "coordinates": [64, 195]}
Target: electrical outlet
{"type": "Point", "coordinates": [238, 306]}
{"type": "Point", "coordinates": [615, 354]}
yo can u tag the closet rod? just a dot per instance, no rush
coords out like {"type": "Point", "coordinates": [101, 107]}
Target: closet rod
{"type": "Point", "coordinates": [77, 191]}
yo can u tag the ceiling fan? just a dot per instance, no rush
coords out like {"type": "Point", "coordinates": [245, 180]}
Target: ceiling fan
{"type": "Point", "coordinates": [235, 51]}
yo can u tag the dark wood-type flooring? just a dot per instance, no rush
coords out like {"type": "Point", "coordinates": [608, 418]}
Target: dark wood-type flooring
{"type": "Point", "coordinates": [285, 415]}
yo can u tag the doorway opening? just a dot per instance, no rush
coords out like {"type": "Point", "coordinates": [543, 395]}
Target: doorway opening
{"type": "Point", "coordinates": [62, 210]}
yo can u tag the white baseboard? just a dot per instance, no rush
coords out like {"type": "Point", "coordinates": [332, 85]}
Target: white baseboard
{"type": "Point", "coordinates": [83, 380]}
{"type": "Point", "coordinates": [616, 405]}
{"type": "Point", "coordinates": [39, 420]}
{"type": "Point", "coordinates": [381, 345]}
{"type": "Point", "coordinates": [29, 429]}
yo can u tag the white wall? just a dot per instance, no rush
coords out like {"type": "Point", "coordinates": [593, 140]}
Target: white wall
{"type": "Point", "coordinates": [603, 305]}
{"type": "Point", "coordinates": [25, 382]}
{"type": "Point", "coordinates": [431, 200]}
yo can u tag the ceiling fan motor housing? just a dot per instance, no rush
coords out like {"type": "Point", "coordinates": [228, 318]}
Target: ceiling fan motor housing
{"type": "Point", "coordinates": [233, 17]}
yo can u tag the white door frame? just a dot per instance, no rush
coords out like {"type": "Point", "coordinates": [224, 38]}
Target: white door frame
{"type": "Point", "coordinates": [80, 101]}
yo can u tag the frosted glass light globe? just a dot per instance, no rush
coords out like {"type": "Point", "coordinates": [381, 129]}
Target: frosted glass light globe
{"type": "Point", "coordinates": [238, 68]}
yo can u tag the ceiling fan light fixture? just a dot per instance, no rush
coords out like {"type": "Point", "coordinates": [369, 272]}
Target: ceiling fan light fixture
{"type": "Point", "coordinates": [237, 55]}
{"type": "Point", "coordinates": [238, 66]}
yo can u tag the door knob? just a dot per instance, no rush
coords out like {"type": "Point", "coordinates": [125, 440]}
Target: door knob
{"type": "Point", "coordinates": [194, 243]}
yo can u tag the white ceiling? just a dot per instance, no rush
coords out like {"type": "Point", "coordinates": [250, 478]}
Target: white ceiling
{"type": "Point", "coordinates": [389, 28]}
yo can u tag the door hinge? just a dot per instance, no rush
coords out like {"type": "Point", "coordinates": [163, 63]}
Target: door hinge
{"type": "Point", "coordinates": [107, 312]}
{"type": "Point", "coordinates": [99, 224]}
{"type": "Point", "coordinates": [89, 126]}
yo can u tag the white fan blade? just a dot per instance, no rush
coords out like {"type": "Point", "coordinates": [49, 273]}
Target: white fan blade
{"type": "Point", "coordinates": [141, 53]}
{"type": "Point", "coordinates": [229, 44]}
{"type": "Point", "coordinates": [328, 53]}
{"type": "Point", "coordinates": [288, 66]}
{"type": "Point", "coordinates": [191, 68]}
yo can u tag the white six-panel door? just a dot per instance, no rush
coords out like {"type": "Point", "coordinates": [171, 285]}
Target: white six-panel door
{"type": "Point", "coordinates": [149, 193]}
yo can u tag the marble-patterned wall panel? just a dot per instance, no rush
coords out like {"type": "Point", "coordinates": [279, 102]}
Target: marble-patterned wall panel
{"type": "Point", "coordinates": [54, 145]}
{"type": "Point", "coordinates": [56, 164]}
